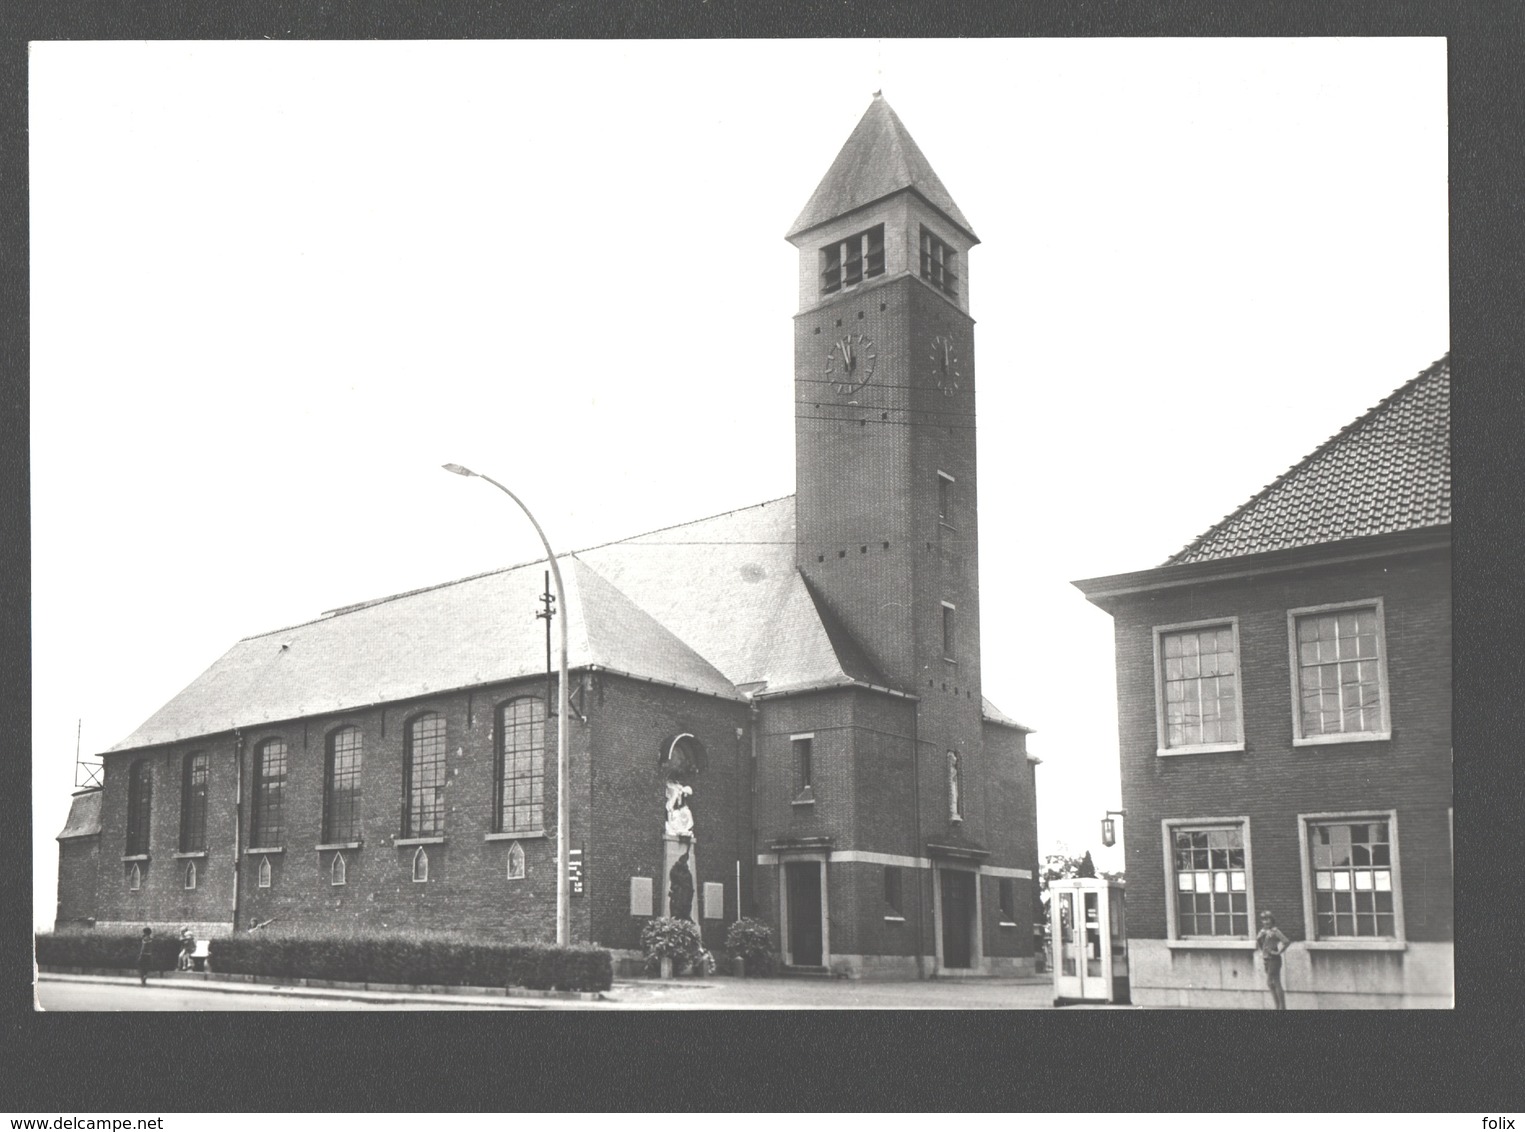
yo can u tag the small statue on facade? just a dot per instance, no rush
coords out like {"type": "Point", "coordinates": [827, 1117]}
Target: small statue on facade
{"type": "Point", "coordinates": [680, 891]}
{"type": "Point", "coordinates": [680, 819]}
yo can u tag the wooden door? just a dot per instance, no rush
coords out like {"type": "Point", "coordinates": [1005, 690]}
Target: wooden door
{"type": "Point", "coordinates": [804, 890]}
{"type": "Point", "coordinates": [958, 918]}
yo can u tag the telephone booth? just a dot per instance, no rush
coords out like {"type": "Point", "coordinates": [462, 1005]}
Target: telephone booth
{"type": "Point", "coordinates": [1089, 928]}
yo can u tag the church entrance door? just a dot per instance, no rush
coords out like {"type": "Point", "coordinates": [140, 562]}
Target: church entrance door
{"type": "Point", "coordinates": [804, 893]}
{"type": "Point", "coordinates": [958, 917]}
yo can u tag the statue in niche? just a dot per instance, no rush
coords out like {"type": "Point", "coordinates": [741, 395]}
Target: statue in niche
{"type": "Point", "coordinates": [680, 818]}
{"type": "Point", "coordinates": [680, 891]}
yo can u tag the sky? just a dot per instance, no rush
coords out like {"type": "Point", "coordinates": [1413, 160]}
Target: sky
{"type": "Point", "coordinates": [274, 286]}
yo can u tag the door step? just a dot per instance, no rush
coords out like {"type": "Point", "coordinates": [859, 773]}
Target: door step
{"type": "Point", "coordinates": [809, 972]}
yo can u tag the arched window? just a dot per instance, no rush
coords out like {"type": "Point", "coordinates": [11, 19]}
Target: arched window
{"type": "Point", "coordinates": [134, 878]}
{"type": "Point", "coordinates": [420, 865]}
{"type": "Point", "coordinates": [264, 872]}
{"type": "Point", "coordinates": [515, 862]}
{"type": "Point", "coordinates": [338, 871]}
{"type": "Point", "coordinates": [424, 778]}
{"type": "Point", "coordinates": [190, 874]}
{"type": "Point", "coordinates": [193, 802]}
{"type": "Point", "coordinates": [341, 790]}
{"type": "Point", "coordinates": [955, 788]}
{"type": "Point", "coordinates": [520, 771]}
{"type": "Point", "coordinates": [140, 796]}
{"type": "Point", "coordinates": [269, 792]}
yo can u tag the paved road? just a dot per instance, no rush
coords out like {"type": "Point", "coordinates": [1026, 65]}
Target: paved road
{"type": "Point", "coordinates": [78, 992]}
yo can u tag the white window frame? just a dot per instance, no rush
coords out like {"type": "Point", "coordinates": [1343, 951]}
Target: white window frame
{"type": "Point", "coordinates": [801, 787]}
{"type": "Point", "coordinates": [1385, 731]}
{"type": "Point", "coordinates": [1162, 733]}
{"type": "Point", "coordinates": [1174, 939]}
{"type": "Point", "coordinates": [949, 629]}
{"type": "Point", "coordinates": [1395, 942]}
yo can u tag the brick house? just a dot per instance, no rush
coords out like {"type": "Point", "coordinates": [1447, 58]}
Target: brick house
{"type": "Point", "coordinates": [809, 667]}
{"type": "Point", "coordinates": [1284, 720]}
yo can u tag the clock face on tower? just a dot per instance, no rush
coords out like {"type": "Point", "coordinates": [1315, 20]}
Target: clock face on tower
{"type": "Point", "coordinates": [945, 364]}
{"type": "Point", "coordinates": [850, 363]}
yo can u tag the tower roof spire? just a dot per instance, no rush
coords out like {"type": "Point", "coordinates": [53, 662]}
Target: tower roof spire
{"type": "Point", "coordinates": [880, 158]}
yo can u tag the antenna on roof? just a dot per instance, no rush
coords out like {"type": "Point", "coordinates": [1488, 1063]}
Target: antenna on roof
{"type": "Point", "coordinates": [87, 769]}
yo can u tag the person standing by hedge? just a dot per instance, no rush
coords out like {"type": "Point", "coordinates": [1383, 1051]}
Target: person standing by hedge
{"type": "Point", "coordinates": [144, 956]}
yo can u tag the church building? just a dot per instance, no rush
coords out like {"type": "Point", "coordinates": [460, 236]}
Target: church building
{"type": "Point", "coordinates": [786, 696]}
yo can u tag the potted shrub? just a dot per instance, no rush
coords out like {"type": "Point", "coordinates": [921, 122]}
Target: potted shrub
{"type": "Point", "coordinates": [671, 944]}
{"type": "Point", "coordinates": [751, 941]}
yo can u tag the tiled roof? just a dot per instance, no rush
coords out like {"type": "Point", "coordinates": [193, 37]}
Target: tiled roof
{"type": "Point", "coordinates": [1389, 470]}
{"type": "Point", "coordinates": [879, 158]}
{"type": "Point", "coordinates": [994, 714]}
{"type": "Point", "coordinates": [84, 816]}
{"type": "Point", "coordinates": [707, 605]}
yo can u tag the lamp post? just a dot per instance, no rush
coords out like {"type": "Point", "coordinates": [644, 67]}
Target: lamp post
{"type": "Point", "coordinates": [563, 710]}
{"type": "Point", "coordinates": [1109, 827]}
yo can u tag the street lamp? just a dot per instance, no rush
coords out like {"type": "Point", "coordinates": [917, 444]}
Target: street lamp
{"type": "Point", "coordinates": [1109, 827]}
{"type": "Point", "coordinates": [563, 710]}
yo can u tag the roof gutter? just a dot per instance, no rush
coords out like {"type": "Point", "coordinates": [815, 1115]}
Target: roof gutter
{"type": "Point", "coordinates": [1105, 590]}
{"type": "Point", "coordinates": [832, 686]}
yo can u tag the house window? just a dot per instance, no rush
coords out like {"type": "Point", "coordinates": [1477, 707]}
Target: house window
{"type": "Point", "coordinates": [1352, 877]}
{"type": "Point", "coordinates": [1210, 864]}
{"type": "Point", "coordinates": [520, 766]}
{"type": "Point", "coordinates": [937, 263]}
{"type": "Point", "coordinates": [424, 772]}
{"type": "Point", "coordinates": [893, 889]}
{"type": "Point", "coordinates": [190, 874]}
{"type": "Point", "coordinates": [134, 878]}
{"type": "Point", "coordinates": [804, 764]}
{"type": "Point", "coordinates": [1006, 897]}
{"type": "Point", "coordinates": [1197, 673]}
{"type": "Point", "coordinates": [264, 872]}
{"type": "Point", "coordinates": [269, 793]}
{"type": "Point", "coordinates": [193, 802]}
{"type": "Point", "coordinates": [945, 499]}
{"type": "Point", "coordinates": [949, 612]}
{"type": "Point", "coordinates": [420, 866]}
{"type": "Point", "coordinates": [338, 871]}
{"type": "Point", "coordinates": [140, 794]}
{"type": "Point", "coordinates": [341, 787]}
{"type": "Point", "coordinates": [1338, 672]}
{"type": "Point", "coordinates": [515, 862]}
{"type": "Point", "coordinates": [955, 787]}
{"type": "Point", "coordinates": [850, 261]}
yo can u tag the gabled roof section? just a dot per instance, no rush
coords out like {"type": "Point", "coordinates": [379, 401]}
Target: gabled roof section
{"type": "Point", "coordinates": [808, 648]}
{"type": "Point", "coordinates": [880, 158]}
{"type": "Point", "coordinates": [1389, 470]}
{"type": "Point", "coordinates": [728, 587]}
{"type": "Point", "coordinates": [478, 630]}
{"type": "Point", "coordinates": [619, 635]}
{"type": "Point", "coordinates": [707, 605]}
{"type": "Point", "coordinates": [993, 714]}
{"type": "Point", "coordinates": [84, 816]}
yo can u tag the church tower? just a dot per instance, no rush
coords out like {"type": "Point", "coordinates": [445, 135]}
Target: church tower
{"type": "Point", "coordinates": [886, 493]}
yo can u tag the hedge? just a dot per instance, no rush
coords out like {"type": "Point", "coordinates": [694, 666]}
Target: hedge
{"type": "Point", "coordinates": [441, 960]}
{"type": "Point", "coordinates": [105, 949]}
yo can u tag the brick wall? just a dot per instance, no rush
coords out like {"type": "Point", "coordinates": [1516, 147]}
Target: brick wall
{"type": "Point", "coordinates": [867, 486]}
{"type": "Point", "coordinates": [629, 722]}
{"type": "Point", "coordinates": [162, 897]}
{"type": "Point", "coordinates": [1271, 780]}
{"type": "Point", "coordinates": [78, 864]}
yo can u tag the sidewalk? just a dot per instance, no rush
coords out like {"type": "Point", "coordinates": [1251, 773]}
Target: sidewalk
{"type": "Point", "coordinates": [709, 993]}
{"type": "Point", "coordinates": [467, 996]}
